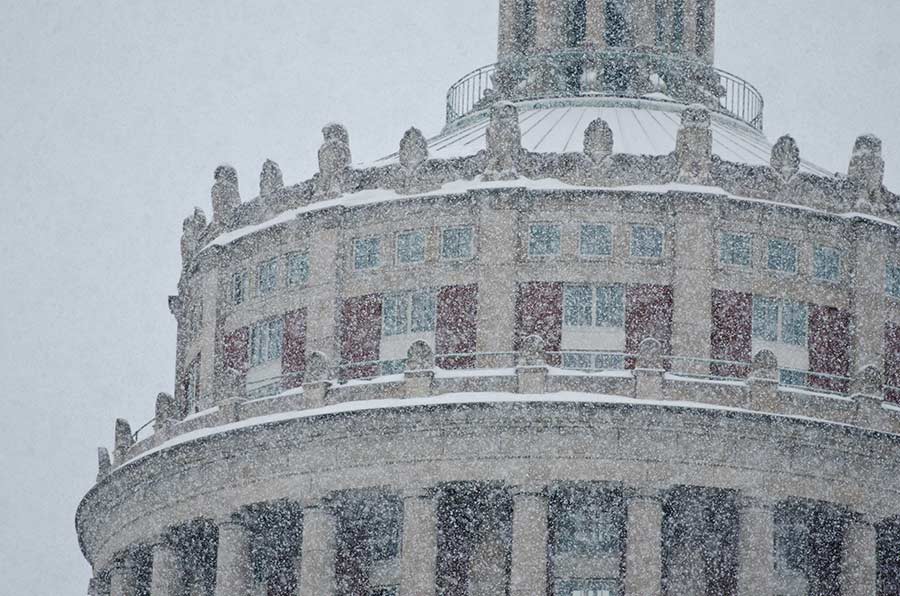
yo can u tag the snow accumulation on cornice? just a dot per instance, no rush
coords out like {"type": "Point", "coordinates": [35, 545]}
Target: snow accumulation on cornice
{"type": "Point", "coordinates": [565, 397]}
{"type": "Point", "coordinates": [462, 187]}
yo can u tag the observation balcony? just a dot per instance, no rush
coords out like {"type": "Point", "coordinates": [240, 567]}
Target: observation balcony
{"type": "Point", "coordinates": [535, 374]}
{"type": "Point", "coordinates": [607, 73]}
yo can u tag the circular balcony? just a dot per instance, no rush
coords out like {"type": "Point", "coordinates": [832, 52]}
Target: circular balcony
{"type": "Point", "coordinates": [608, 73]}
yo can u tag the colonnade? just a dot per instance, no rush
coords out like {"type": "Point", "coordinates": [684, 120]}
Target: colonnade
{"type": "Point", "coordinates": [530, 550]}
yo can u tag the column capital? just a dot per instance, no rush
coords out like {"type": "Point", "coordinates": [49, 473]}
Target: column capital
{"type": "Point", "coordinates": [529, 490]}
{"type": "Point", "coordinates": [757, 502]}
{"type": "Point", "coordinates": [419, 492]}
{"type": "Point", "coordinates": [644, 493]}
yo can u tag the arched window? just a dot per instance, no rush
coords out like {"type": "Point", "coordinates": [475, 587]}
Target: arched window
{"type": "Point", "coordinates": [527, 24]}
{"type": "Point", "coordinates": [576, 23]}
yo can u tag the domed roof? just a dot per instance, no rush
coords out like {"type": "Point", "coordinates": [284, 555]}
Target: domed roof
{"type": "Point", "coordinates": [646, 126]}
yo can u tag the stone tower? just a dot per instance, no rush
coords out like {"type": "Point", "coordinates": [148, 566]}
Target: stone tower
{"type": "Point", "coordinates": [597, 337]}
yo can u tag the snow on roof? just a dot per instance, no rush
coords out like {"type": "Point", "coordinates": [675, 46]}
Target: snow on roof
{"type": "Point", "coordinates": [640, 127]}
{"type": "Point", "coordinates": [568, 397]}
{"type": "Point", "coordinates": [461, 187]}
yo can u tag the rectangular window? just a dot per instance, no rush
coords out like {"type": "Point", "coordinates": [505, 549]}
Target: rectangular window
{"type": "Point", "coordinates": [646, 242]}
{"type": "Point", "coordinates": [827, 263]}
{"type": "Point", "coordinates": [238, 287]}
{"type": "Point", "coordinates": [735, 249]}
{"type": "Point", "coordinates": [267, 277]}
{"type": "Point", "coordinates": [782, 256]}
{"type": "Point", "coordinates": [410, 247]}
{"type": "Point", "coordinates": [765, 318]}
{"type": "Point", "coordinates": [543, 240]}
{"type": "Point", "coordinates": [596, 241]}
{"type": "Point", "coordinates": [456, 243]}
{"type": "Point", "coordinates": [395, 311]}
{"type": "Point", "coordinates": [422, 312]}
{"type": "Point", "coordinates": [794, 323]}
{"type": "Point", "coordinates": [577, 361]}
{"type": "Point", "coordinates": [366, 253]}
{"type": "Point", "coordinates": [578, 302]}
{"type": "Point", "coordinates": [266, 341]}
{"type": "Point", "coordinates": [586, 531]}
{"type": "Point", "coordinates": [892, 280]}
{"type": "Point", "coordinates": [610, 306]}
{"type": "Point", "coordinates": [297, 269]}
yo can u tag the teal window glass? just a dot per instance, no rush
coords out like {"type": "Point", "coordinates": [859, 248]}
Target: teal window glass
{"type": "Point", "coordinates": [411, 247]}
{"type": "Point", "coordinates": [782, 256]}
{"type": "Point", "coordinates": [827, 263]}
{"type": "Point", "coordinates": [394, 314]}
{"type": "Point", "coordinates": [422, 313]}
{"type": "Point", "coordinates": [577, 305]}
{"type": "Point", "coordinates": [543, 240]}
{"type": "Point", "coordinates": [596, 241]}
{"type": "Point", "coordinates": [610, 306]}
{"type": "Point", "coordinates": [765, 318]}
{"type": "Point", "coordinates": [456, 243]}
{"type": "Point", "coordinates": [735, 249]}
{"type": "Point", "coordinates": [297, 269]}
{"type": "Point", "coordinates": [794, 323]}
{"type": "Point", "coordinates": [646, 242]}
{"type": "Point", "coordinates": [366, 253]}
{"type": "Point", "coordinates": [892, 280]}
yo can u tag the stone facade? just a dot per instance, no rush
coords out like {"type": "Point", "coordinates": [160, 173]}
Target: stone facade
{"type": "Point", "coordinates": [525, 372]}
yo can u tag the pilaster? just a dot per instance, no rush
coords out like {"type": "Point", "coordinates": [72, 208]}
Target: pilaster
{"type": "Point", "coordinates": [234, 575]}
{"type": "Point", "coordinates": [859, 564]}
{"type": "Point", "coordinates": [756, 548]}
{"type": "Point", "coordinates": [528, 573]}
{"type": "Point", "coordinates": [317, 556]}
{"type": "Point", "coordinates": [418, 562]}
{"type": "Point", "coordinates": [165, 579]}
{"type": "Point", "coordinates": [643, 547]}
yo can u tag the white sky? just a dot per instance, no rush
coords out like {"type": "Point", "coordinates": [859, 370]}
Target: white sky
{"type": "Point", "coordinates": [114, 114]}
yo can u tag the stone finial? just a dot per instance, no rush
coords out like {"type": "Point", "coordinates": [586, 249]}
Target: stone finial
{"type": "Point", "coordinates": [764, 366]}
{"type": "Point", "coordinates": [97, 587]}
{"type": "Point", "coordinates": [419, 356]}
{"type": "Point", "coordinates": [533, 351]}
{"type": "Point", "coordinates": [868, 382]}
{"type": "Point", "coordinates": [175, 306]}
{"type": "Point", "coordinates": [650, 355]}
{"type": "Point", "coordinates": [165, 410]}
{"type": "Point", "coordinates": [270, 179]}
{"type": "Point", "coordinates": [318, 368]}
{"type": "Point", "coordinates": [334, 160]}
{"type": "Point", "coordinates": [191, 230]}
{"type": "Point", "coordinates": [413, 150]}
{"type": "Point", "coordinates": [504, 142]}
{"type": "Point", "coordinates": [103, 463]}
{"type": "Point", "coordinates": [598, 141]}
{"type": "Point", "coordinates": [226, 196]}
{"type": "Point", "coordinates": [693, 146]}
{"type": "Point", "coordinates": [786, 157]}
{"type": "Point", "coordinates": [123, 440]}
{"type": "Point", "coordinates": [866, 171]}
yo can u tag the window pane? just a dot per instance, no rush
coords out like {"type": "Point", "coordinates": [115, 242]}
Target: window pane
{"type": "Point", "coordinates": [297, 269]}
{"type": "Point", "coordinates": [765, 318]}
{"type": "Point", "coordinates": [367, 253]}
{"type": "Point", "coordinates": [423, 312]}
{"type": "Point", "coordinates": [267, 278]}
{"type": "Point", "coordinates": [410, 247]}
{"type": "Point", "coordinates": [794, 323]}
{"type": "Point", "coordinates": [793, 378]}
{"type": "Point", "coordinates": [611, 306]}
{"type": "Point", "coordinates": [456, 243]}
{"type": "Point", "coordinates": [395, 310]}
{"type": "Point", "coordinates": [827, 263]}
{"type": "Point", "coordinates": [893, 280]}
{"type": "Point", "coordinates": [577, 361]}
{"type": "Point", "coordinates": [276, 338]}
{"type": "Point", "coordinates": [609, 362]}
{"type": "Point", "coordinates": [578, 302]}
{"type": "Point", "coordinates": [587, 531]}
{"type": "Point", "coordinates": [238, 283]}
{"type": "Point", "coordinates": [543, 240]}
{"type": "Point", "coordinates": [782, 256]}
{"type": "Point", "coordinates": [646, 241]}
{"type": "Point", "coordinates": [735, 249]}
{"type": "Point", "coordinates": [596, 241]}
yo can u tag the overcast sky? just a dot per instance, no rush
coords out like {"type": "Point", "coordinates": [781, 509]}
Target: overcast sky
{"type": "Point", "coordinates": [114, 114]}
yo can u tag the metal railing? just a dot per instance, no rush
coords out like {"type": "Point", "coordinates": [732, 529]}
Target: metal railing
{"type": "Point", "coordinates": [609, 73]}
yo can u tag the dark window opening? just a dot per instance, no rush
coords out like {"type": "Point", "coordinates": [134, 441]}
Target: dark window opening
{"type": "Point", "coordinates": [617, 34]}
{"type": "Point", "coordinates": [677, 26]}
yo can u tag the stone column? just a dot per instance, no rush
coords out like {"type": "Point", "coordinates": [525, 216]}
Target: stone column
{"type": "Point", "coordinates": [643, 23]}
{"type": "Point", "coordinates": [859, 565]}
{"type": "Point", "coordinates": [756, 549]}
{"type": "Point", "coordinates": [868, 297]}
{"type": "Point", "coordinates": [317, 555]}
{"type": "Point", "coordinates": [508, 34]}
{"type": "Point", "coordinates": [550, 26]}
{"type": "Point", "coordinates": [692, 285]}
{"type": "Point", "coordinates": [234, 574]}
{"type": "Point", "coordinates": [689, 41]}
{"type": "Point", "coordinates": [595, 29]}
{"type": "Point", "coordinates": [643, 548]}
{"type": "Point", "coordinates": [418, 563]}
{"type": "Point", "coordinates": [120, 583]}
{"type": "Point", "coordinates": [165, 579]}
{"type": "Point", "coordinates": [528, 573]}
